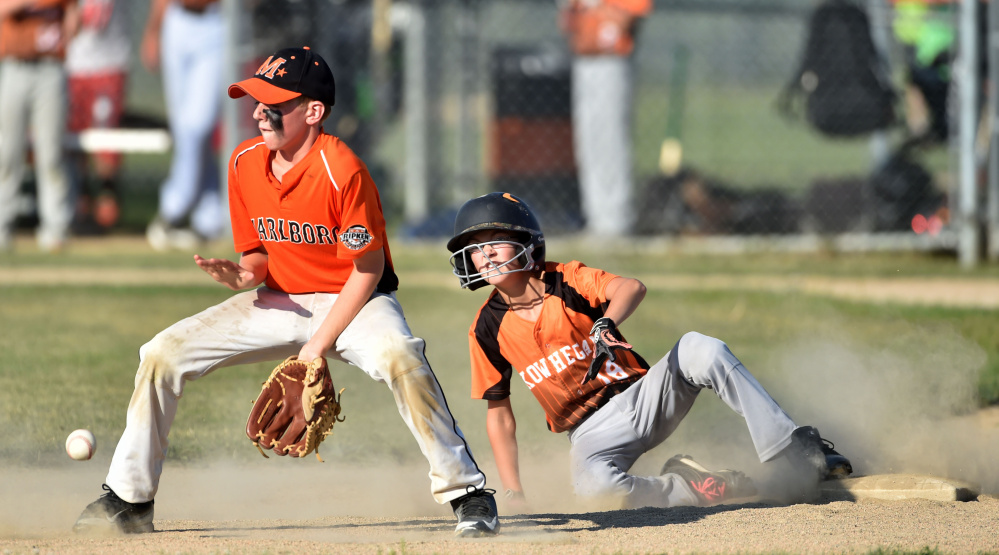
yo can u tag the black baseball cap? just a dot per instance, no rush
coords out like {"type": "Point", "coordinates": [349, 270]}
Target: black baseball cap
{"type": "Point", "coordinates": [288, 73]}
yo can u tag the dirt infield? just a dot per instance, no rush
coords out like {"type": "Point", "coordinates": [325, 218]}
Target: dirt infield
{"type": "Point", "coordinates": [288, 506]}
{"type": "Point", "coordinates": [327, 527]}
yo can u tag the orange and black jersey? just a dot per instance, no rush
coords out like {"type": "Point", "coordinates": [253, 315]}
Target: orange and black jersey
{"type": "Point", "coordinates": [552, 354]}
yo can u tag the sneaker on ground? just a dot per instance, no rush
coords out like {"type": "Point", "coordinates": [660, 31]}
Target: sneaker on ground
{"type": "Point", "coordinates": [710, 486]}
{"type": "Point", "coordinates": [112, 514]}
{"type": "Point", "coordinates": [811, 449]}
{"type": "Point", "coordinates": [476, 512]}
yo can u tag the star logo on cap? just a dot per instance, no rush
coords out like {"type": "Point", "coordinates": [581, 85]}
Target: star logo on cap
{"type": "Point", "coordinates": [282, 72]}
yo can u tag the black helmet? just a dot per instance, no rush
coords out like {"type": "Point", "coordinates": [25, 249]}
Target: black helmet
{"type": "Point", "coordinates": [495, 211]}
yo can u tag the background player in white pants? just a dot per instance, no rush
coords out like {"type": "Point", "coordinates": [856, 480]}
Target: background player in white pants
{"type": "Point", "coordinates": [33, 37]}
{"type": "Point", "coordinates": [307, 219]}
{"type": "Point", "coordinates": [534, 324]}
{"type": "Point", "coordinates": [185, 38]}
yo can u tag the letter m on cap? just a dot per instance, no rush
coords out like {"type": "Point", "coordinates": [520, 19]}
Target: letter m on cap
{"type": "Point", "coordinates": [270, 66]}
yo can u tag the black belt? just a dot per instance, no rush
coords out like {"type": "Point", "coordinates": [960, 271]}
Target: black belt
{"type": "Point", "coordinates": [38, 60]}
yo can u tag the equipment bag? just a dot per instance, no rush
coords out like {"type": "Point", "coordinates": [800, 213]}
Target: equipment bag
{"type": "Point", "coordinates": [841, 79]}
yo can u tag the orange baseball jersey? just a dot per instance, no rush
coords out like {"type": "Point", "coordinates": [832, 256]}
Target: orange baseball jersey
{"type": "Point", "coordinates": [600, 27]}
{"type": "Point", "coordinates": [552, 354]}
{"type": "Point", "coordinates": [324, 213]}
{"type": "Point", "coordinates": [35, 31]}
{"type": "Point", "coordinates": [636, 7]}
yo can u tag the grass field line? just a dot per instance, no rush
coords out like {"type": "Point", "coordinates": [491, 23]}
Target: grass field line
{"type": "Point", "coordinates": [928, 291]}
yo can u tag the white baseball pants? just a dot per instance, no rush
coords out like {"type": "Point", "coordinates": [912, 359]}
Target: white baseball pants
{"type": "Point", "coordinates": [607, 444]}
{"type": "Point", "coordinates": [33, 96]}
{"type": "Point", "coordinates": [263, 325]}
{"type": "Point", "coordinates": [192, 49]}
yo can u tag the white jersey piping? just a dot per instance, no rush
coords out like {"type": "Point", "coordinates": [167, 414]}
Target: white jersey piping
{"type": "Point", "coordinates": [242, 152]}
{"type": "Point", "coordinates": [328, 172]}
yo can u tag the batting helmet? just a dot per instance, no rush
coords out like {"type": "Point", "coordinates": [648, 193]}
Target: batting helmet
{"type": "Point", "coordinates": [495, 211]}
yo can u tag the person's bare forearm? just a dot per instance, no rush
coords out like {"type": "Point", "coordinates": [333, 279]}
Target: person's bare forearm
{"type": "Point", "coordinates": [256, 262]}
{"type": "Point", "coordinates": [501, 427]}
{"type": "Point", "coordinates": [71, 22]}
{"type": "Point", "coordinates": [155, 20]}
{"type": "Point", "coordinates": [355, 293]}
{"type": "Point", "coordinates": [624, 295]}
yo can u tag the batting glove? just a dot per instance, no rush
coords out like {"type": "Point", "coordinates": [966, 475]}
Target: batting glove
{"type": "Point", "coordinates": [606, 339]}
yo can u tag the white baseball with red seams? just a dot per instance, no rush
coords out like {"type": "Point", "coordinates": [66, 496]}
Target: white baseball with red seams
{"type": "Point", "coordinates": [81, 444]}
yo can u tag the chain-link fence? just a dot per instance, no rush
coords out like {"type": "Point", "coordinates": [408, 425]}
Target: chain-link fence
{"type": "Point", "coordinates": [470, 96]}
{"type": "Point", "coordinates": [449, 99]}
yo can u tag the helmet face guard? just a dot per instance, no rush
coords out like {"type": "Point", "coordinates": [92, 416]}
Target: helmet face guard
{"type": "Point", "coordinates": [499, 212]}
{"type": "Point", "coordinates": [470, 278]}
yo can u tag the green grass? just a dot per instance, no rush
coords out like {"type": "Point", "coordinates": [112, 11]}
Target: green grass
{"type": "Point", "coordinates": [70, 352]}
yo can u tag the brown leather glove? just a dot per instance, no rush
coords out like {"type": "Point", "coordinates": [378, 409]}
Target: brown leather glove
{"type": "Point", "coordinates": [296, 409]}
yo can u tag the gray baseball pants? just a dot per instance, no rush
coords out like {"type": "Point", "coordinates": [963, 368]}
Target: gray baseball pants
{"type": "Point", "coordinates": [607, 444]}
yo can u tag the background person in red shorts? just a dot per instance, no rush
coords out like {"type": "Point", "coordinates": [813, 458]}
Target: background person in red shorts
{"type": "Point", "coordinates": [97, 62]}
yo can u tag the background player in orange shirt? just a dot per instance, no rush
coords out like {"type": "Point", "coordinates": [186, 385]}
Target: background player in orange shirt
{"type": "Point", "coordinates": [307, 220]}
{"type": "Point", "coordinates": [601, 35]}
{"type": "Point", "coordinates": [555, 326]}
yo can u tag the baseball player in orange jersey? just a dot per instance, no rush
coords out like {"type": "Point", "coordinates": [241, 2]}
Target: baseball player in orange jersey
{"type": "Point", "coordinates": [553, 326]}
{"type": "Point", "coordinates": [307, 220]}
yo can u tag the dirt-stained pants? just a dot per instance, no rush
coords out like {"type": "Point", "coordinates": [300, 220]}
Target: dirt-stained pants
{"type": "Point", "coordinates": [264, 325]}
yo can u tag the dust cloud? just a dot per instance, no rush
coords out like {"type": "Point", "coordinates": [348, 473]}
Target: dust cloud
{"type": "Point", "coordinates": [907, 406]}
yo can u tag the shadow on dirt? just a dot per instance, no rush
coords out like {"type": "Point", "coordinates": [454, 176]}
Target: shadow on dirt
{"type": "Point", "coordinates": [537, 522]}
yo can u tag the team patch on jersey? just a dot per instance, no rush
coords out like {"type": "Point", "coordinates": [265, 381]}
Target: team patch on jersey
{"type": "Point", "coordinates": [355, 237]}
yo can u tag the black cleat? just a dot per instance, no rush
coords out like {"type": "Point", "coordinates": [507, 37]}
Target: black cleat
{"type": "Point", "coordinates": [111, 514]}
{"type": "Point", "coordinates": [711, 487]}
{"type": "Point", "coordinates": [476, 512]}
{"type": "Point", "coordinates": [809, 448]}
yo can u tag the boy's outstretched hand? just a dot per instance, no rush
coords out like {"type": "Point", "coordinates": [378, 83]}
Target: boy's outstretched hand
{"type": "Point", "coordinates": [226, 272]}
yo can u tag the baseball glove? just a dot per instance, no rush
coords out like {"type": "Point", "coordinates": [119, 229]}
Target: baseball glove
{"type": "Point", "coordinates": [605, 339]}
{"type": "Point", "coordinates": [296, 409]}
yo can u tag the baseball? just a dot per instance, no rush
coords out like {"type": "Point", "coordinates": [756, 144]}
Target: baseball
{"type": "Point", "coordinates": [80, 445]}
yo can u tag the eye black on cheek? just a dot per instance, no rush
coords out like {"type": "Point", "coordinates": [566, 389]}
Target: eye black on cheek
{"type": "Point", "coordinates": [274, 118]}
